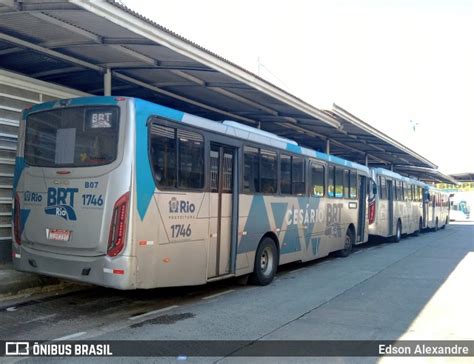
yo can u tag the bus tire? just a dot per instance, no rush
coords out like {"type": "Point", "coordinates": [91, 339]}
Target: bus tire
{"type": "Point", "coordinates": [348, 244]}
{"type": "Point", "coordinates": [266, 263]}
{"type": "Point", "coordinates": [398, 233]}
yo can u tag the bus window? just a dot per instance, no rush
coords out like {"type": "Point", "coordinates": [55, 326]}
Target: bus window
{"type": "Point", "coordinates": [298, 176]}
{"type": "Point", "coordinates": [339, 182]}
{"type": "Point", "coordinates": [251, 170]}
{"type": "Point", "coordinates": [383, 188]}
{"type": "Point", "coordinates": [191, 160]}
{"type": "Point", "coordinates": [214, 166]}
{"type": "Point", "coordinates": [285, 174]}
{"type": "Point", "coordinates": [400, 191]}
{"type": "Point", "coordinates": [163, 155]}
{"type": "Point", "coordinates": [269, 171]}
{"type": "Point", "coordinates": [331, 181]}
{"type": "Point", "coordinates": [167, 145]}
{"type": "Point", "coordinates": [227, 170]}
{"type": "Point", "coordinates": [345, 183]}
{"type": "Point", "coordinates": [395, 189]}
{"type": "Point", "coordinates": [406, 191]}
{"type": "Point", "coordinates": [353, 185]}
{"type": "Point", "coordinates": [317, 180]}
{"type": "Point", "coordinates": [72, 137]}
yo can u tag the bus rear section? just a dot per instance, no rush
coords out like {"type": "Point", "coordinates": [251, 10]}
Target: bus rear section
{"type": "Point", "coordinates": [72, 192]}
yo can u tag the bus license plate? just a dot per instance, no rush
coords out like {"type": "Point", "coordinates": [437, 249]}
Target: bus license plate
{"type": "Point", "coordinates": [57, 234]}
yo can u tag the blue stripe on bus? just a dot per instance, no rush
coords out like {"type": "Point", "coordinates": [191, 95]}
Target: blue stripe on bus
{"type": "Point", "coordinates": [325, 157]}
{"type": "Point", "coordinates": [144, 177]}
{"type": "Point", "coordinates": [19, 167]}
{"type": "Point", "coordinates": [24, 214]}
{"type": "Point", "coordinates": [293, 148]}
{"type": "Point", "coordinates": [257, 221]}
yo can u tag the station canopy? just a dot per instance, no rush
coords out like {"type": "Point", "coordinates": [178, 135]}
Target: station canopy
{"type": "Point", "coordinates": [79, 44]}
{"type": "Point", "coordinates": [463, 177]}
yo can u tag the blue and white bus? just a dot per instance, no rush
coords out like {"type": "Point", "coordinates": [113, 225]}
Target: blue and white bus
{"type": "Point", "coordinates": [124, 193]}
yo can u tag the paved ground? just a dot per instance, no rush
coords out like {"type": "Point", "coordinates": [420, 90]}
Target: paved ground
{"type": "Point", "coordinates": [15, 283]}
{"type": "Point", "coordinates": [420, 288]}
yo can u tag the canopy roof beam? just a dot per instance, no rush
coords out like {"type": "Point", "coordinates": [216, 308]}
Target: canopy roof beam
{"type": "Point", "coordinates": [102, 70]}
{"type": "Point", "coordinates": [181, 98]}
{"type": "Point", "coordinates": [94, 37]}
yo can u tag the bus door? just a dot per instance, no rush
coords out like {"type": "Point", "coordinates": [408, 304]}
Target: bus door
{"type": "Point", "coordinates": [222, 206]}
{"type": "Point", "coordinates": [362, 183]}
{"type": "Point", "coordinates": [390, 206]}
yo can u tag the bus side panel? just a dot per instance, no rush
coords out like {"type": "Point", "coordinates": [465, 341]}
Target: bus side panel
{"type": "Point", "coordinates": [271, 214]}
{"type": "Point", "coordinates": [306, 228]}
{"type": "Point", "coordinates": [170, 228]}
{"type": "Point", "coordinates": [172, 240]}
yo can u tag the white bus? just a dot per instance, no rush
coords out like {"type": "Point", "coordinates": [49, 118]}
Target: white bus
{"type": "Point", "coordinates": [396, 207]}
{"type": "Point", "coordinates": [124, 193]}
{"type": "Point", "coordinates": [436, 208]}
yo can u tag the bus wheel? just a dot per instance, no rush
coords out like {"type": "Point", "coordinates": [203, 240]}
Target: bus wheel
{"type": "Point", "coordinates": [266, 262]}
{"type": "Point", "coordinates": [348, 244]}
{"type": "Point", "coordinates": [398, 233]}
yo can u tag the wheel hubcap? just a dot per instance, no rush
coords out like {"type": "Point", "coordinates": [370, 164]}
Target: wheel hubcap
{"type": "Point", "coordinates": [347, 244]}
{"type": "Point", "coordinates": [266, 261]}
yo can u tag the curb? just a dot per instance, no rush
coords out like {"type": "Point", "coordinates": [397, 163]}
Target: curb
{"type": "Point", "coordinates": [13, 283]}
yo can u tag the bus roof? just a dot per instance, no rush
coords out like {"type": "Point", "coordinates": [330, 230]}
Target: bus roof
{"type": "Point", "coordinates": [435, 189]}
{"type": "Point", "coordinates": [388, 173]}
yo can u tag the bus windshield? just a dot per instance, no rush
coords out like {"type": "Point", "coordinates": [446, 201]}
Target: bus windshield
{"type": "Point", "coordinates": [72, 137]}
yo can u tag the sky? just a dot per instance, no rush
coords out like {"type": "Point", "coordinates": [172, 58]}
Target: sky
{"type": "Point", "coordinates": [406, 67]}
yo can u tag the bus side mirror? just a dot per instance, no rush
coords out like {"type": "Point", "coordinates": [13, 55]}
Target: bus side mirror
{"type": "Point", "coordinates": [374, 189]}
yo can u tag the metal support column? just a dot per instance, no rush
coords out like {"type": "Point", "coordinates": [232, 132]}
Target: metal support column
{"type": "Point", "coordinates": [328, 146]}
{"type": "Point", "coordinates": [107, 82]}
{"type": "Point", "coordinates": [366, 160]}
